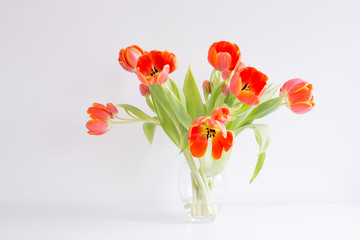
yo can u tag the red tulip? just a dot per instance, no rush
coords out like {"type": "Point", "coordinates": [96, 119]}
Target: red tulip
{"type": "Point", "coordinates": [248, 85]}
{"type": "Point", "coordinates": [205, 128]}
{"type": "Point", "coordinates": [224, 56]}
{"type": "Point", "coordinates": [129, 56]}
{"type": "Point", "coordinates": [101, 117]}
{"type": "Point", "coordinates": [298, 94]}
{"type": "Point", "coordinates": [155, 66]}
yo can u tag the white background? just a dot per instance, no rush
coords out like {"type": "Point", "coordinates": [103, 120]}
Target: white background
{"type": "Point", "coordinates": [58, 57]}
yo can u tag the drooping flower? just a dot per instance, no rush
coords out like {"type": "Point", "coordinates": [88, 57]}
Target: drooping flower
{"type": "Point", "coordinates": [221, 114]}
{"type": "Point", "coordinates": [248, 85]}
{"type": "Point", "coordinates": [155, 66]}
{"type": "Point", "coordinates": [205, 128]}
{"type": "Point", "coordinates": [129, 56]}
{"type": "Point", "coordinates": [298, 94]}
{"type": "Point", "coordinates": [224, 56]}
{"type": "Point", "coordinates": [101, 117]}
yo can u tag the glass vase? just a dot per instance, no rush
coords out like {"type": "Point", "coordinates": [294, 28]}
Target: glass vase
{"type": "Point", "coordinates": [201, 196]}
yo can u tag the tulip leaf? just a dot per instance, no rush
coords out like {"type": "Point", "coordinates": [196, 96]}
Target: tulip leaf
{"type": "Point", "coordinates": [210, 167]}
{"type": "Point", "coordinates": [149, 131]}
{"type": "Point", "coordinates": [263, 136]}
{"type": "Point", "coordinates": [177, 91]}
{"type": "Point", "coordinates": [176, 111]}
{"type": "Point", "coordinates": [166, 123]}
{"type": "Point", "coordinates": [269, 93]}
{"type": "Point", "coordinates": [262, 110]}
{"type": "Point", "coordinates": [137, 112]}
{"type": "Point", "coordinates": [194, 103]}
{"type": "Point", "coordinates": [213, 98]}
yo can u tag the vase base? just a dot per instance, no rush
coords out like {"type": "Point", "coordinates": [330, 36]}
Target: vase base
{"type": "Point", "coordinates": [202, 219]}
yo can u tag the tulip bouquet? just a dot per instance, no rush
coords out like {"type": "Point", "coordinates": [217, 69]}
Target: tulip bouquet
{"type": "Point", "coordinates": [202, 128]}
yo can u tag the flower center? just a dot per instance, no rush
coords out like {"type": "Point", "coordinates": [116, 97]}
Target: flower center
{"type": "Point", "coordinates": [210, 133]}
{"type": "Point", "coordinates": [153, 71]}
{"type": "Point", "coordinates": [245, 87]}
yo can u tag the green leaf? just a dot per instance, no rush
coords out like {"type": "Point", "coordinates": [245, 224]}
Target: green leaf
{"type": "Point", "coordinates": [166, 123]}
{"type": "Point", "coordinates": [263, 136]}
{"type": "Point", "coordinates": [259, 165]}
{"type": "Point", "coordinates": [176, 111]}
{"type": "Point", "coordinates": [262, 110]}
{"type": "Point", "coordinates": [149, 130]}
{"type": "Point", "coordinates": [210, 167]}
{"type": "Point", "coordinates": [177, 91]}
{"type": "Point", "coordinates": [137, 112]}
{"type": "Point", "coordinates": [194, 104]}
{"type": "Point", "coordinates": [269, 93]}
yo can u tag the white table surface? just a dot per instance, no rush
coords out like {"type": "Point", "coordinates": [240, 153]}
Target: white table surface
{"type": "Point", "coordinates": [108, 222]}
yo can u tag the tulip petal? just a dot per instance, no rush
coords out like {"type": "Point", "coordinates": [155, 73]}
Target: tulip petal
{"type": "Point", "coordinates": [212, 57]}
{"type": "Point", "coordinates": [142, 78]}
{"type": "Point", "coordinates": [223, 61]}
{"type": "Point", "coordinates": [198, 146]}
{"type": "Point", "coordinates": [98, 113]}
{"type": "Point", "coordinates": [97, 127]}
{"type": "Point", "coordinates": [301, 107]}
{"type": "Point", "coordinates": [248, 98]}
{"type": "Point", "coordinates": [235, 84]}
{"type": "Point", "coordinates": [293, 85]}
{"type": "Point", "coordinates": [163, 76]}
{"type": "Point", "coordinates": [303, 95]}
{"type": "Point", "coordinates": [112, 109]}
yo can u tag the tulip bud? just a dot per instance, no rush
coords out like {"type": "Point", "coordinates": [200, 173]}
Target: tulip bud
{"type": "Point", "coordinates": [144, 90]}
{"type": "Point", "coordinates": [225, 89]}
{"type": "Point", "coordinates": [298, 95]}
{"type": "Point", "coordinates": [206, 86]}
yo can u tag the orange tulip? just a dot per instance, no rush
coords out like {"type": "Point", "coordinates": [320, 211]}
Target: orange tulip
{"type": "Point", "coordinates": [205, 128]}
{"type": "Point", "coordinates": [298, 94]}
{"type": "Point", "coordinates": [221, 114]}
{"type": "Point", "coordinates": [155, 66]}
{"type": "Point", "coordinates": [101, 117]}
{"type": "Point", "coordinates": [128, 57]}
{"type": "Point", "coordinates": [224, 56]}
{"type": "Point", "coordinates": [248, 85]}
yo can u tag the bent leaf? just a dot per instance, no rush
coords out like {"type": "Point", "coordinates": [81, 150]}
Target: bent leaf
{"type": "Point", "coordinates": [137, 112]}
{"type": "Point", "coordinates": [263, 136]}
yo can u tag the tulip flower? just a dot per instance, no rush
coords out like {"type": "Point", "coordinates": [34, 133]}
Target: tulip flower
{"type": "Point", "coordinates": [129, 56]}
{"type": "Point", "coordinates": [298, 94]}
{"type": "Point", "coordinates": [101, 117]}
{"type": "Point", "coordinates": [205, 128]}
{"type": "Point", "coordinates": [248, 85]}
{"type": "Point", "coordinates": [224, 56]}
{"type": "Point", "coordinates": [155, 66]}
{"type": "Point", "coordinates": [221, 114]}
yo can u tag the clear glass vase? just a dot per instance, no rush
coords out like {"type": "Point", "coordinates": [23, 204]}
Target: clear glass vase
{"type": "Point", "coordinates": [201, 196]}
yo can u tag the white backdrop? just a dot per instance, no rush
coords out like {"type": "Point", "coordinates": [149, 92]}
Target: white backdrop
{"type": "Point", "coordinates": [58, 57]}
